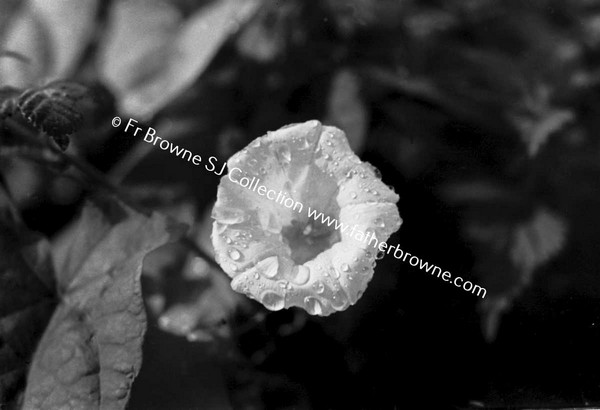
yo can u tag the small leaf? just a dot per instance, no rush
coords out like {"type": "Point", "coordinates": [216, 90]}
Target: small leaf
{"type": "Point", "coordinates": [27, 298]}
{"type": "Point", "coordinates": [91, 351]}
{"type": "Point", "coordinates": [52, 109]}
{"type": "Point", "coordinates": [538, 240]}
{"type": "Point", "coordinates": [539, 120]}
{"type": "Point", "coordinates": [511, 255]}
{"type": "Point", "coordinates": [346, 109]}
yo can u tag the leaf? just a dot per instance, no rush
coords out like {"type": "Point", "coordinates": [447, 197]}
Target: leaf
{"type": "Point", "coordinates": [151, 62]}
{"type": "Point", "coordinates": [53, 109]}
{"type": "Point", "coordinates": [511, 256]}
{"type": "Point", "coordinates": [538, 240]}
{"type": "Point", "coordinates": [52, 35]}
{"type": "Point", "coordinates": [91, 350]}
{"type": "Point", "coordinates": [540, 120]}
{"type": "Point", "coordinates": [27, 297]}
{"type": "Point", "coordinates": [346, 109]}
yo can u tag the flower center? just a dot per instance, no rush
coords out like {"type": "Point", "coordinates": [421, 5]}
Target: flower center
{"type": "Point", "coordinates": [307, 238]}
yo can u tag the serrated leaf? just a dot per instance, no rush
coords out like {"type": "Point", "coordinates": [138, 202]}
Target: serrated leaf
{"type": "Point", "coordinates": [53, 109]}
{"type": "Point", "coordinates": [91, 350]}
{"type": "Point", "coordinates": [151, 62]}
{"type": "Point", "coordinates": [27, 298]}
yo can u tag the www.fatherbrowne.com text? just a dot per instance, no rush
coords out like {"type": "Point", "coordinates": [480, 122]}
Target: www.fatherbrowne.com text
{"type": "Point", "coordinates": [282, 198]}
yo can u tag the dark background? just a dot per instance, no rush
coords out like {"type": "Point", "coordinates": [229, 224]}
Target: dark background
{"type": "Point", "coordinates": [483, 115]}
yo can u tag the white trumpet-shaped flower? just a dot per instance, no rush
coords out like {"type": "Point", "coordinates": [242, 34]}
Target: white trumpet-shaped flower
{"type": "Point", "coordinates": [287, 253]}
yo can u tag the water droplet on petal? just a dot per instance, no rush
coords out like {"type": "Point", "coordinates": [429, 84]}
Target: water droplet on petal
{"type": "Point", "coordinates": [339, 300]}
{"type": "Point", "coordinates": [272, 300]}
{"type": "Point", "coordinates": [353, 195]}
{"type": "Point", "coordinates": [380, 255]}
{"type": "Point", "coordinates": [302, 275]}
{"type": "Point", "coordinates": [345, 267]}
{"type": "Point", "coordinates": [234, 254]}
{"type": "Point", "coordinates": [318, 287]}
{"type": "Point", "coordinates": [313, 306]}
{"type": "Point", "coordinates": [228, 240]}
{"type": "Point", "coordinates": [379, 222]}
{"type": "Point", "coordinates": [284, 153]}
{"type": "Point", "coordinates": [327, 157]}
{"type": "Point", "coordinates": [335, 273]}
{"type": "Point", "coordinates": [268, 267]}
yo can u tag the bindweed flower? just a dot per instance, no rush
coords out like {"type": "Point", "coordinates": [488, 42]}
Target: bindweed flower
{"type": "Point", "coordinates": [294, 216]}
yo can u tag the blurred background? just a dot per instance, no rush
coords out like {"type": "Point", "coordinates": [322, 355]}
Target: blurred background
{"type": "Point", "coordinates": [482, 114]}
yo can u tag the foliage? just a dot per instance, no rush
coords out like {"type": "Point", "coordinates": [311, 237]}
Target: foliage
{"type": "Point", "coordinates": [481, 114]}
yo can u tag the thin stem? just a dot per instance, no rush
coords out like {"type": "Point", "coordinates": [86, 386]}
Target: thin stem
{"type": "Point", "coordinates": [91, 173]}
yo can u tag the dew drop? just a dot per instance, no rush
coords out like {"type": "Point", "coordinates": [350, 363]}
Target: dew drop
{"type": "Point", "coordinates": [339, 300]}
{"type": "Point", "coordinates": [268, 267]}
{"type": "Point", "coordinates": [318, 287]}
{"type": "Point", "coordinates": [228, 240]}
{"type": "Point", "coordinates": [313, 306]}
{"type": "Point", "coordinates": [252, 162]}
{"type": "Point", "coordinates": [272, 300]}
{"type": "Point", "coordinates": [362, 175]}
{"type": "Point", "coordinates": [234, 254]}
{"type": "Point", "coordinates": [284, 152]}
{"type": "Point", "coordinates": [350, 277]}
{"type": "Point", "coordinates": [345, 267]}
{"type": "Point", "coordinates": [256, 276]}
{"type": "Point", "coordinates": [379, 222]}
{"type": "Point", "coordinates": [302, 274]}
{"type": "Point", "coordinates": [335, 273]}
{"type": "Point", "coordinates": [380, 255]}
{"type": "Point", "coordinates": [327, 157]}
{"type": "Point", "coordinates": [353, 195]}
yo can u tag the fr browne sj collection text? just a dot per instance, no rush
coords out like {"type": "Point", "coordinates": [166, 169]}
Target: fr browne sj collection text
{"type": "Point", "coordinates": [166, 145]}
